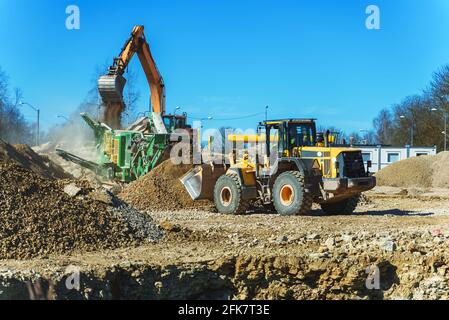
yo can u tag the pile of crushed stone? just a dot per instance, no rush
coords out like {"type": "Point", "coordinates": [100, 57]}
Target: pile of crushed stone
{"type": "Point", "coordinates": [161, 189]}
{"type": "Point", "coordinates": [423, 172]}
{"type": "Point", "coordinates": [38, 218]}
{"type": "Point", "coordinates": [23, 155]}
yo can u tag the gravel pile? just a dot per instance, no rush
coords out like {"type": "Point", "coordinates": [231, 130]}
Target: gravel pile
{"type": "Point", "coordinates": [23, 155]}
{"type": "Point", "coordinates": [38, 218]}
{"type": "Point", "coordinates": [161, 190]}
{"type": "Point", "coordinates": [424, 172]}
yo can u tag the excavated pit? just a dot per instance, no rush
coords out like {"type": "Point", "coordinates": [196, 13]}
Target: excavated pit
{"type": "Point", "coordinates": [242, 277]}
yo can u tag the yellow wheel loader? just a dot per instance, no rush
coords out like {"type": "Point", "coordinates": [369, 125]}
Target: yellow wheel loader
{"type": "Point", "coordinates": [299, 167]}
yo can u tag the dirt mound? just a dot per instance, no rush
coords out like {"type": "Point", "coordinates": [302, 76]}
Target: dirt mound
{"type": "Point", "coordinates": [161, 189]}
{"type": "Point", "coordinates": [38, 218]}
{"type": "Point", "coordinates": [423, 172]}
{"type": "Point", "coordinates": [440, 166]}
{"type": "Point", "coordinates": [25, 156]}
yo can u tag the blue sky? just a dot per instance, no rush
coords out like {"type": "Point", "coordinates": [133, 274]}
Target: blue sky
{"type": "Point", "coordinates": [228, 59]}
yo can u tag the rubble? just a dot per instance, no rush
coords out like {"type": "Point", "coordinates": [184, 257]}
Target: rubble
{"type": "Point", "coordinates": [388, 246]}
{"type": "Point", "coordinates": [72, 190]}
{"type": "Point", "coordinates": [38, 218]}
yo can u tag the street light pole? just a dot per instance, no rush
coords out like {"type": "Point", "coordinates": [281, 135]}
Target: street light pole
{"type": "Point", "coordinates": [445, 131]}
{"type": "Point", "coordinates": [63, 117]}
{"type": "Point", "coordinates": [445, 99]}
{"type": "Point", "coordinates": [38, 119]}
{"type": "Point", "coordinates": [204, 119]}
{"type": "Point", "coordinates": [411, 129]}
{"type": "Point", "coordinates": [445, 116]}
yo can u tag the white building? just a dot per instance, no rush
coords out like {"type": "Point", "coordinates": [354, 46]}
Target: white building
{"type": "Point", "coordinates": [382, 156]}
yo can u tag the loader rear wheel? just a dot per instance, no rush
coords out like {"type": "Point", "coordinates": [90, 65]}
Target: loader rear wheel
{"type": "Point", "coordinates": [346, 206]}
{"type": "Point", "coordinates": [289, 194]}
{"type": "Point", "coordinates": [228, 195]}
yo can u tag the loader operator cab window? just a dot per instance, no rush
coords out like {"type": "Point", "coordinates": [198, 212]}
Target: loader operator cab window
{"type": "Point", "coordinates": [301, 135]}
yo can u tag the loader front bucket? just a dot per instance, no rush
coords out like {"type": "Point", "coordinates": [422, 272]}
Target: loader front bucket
{"type": "Point", "coordinates": [200, 181]}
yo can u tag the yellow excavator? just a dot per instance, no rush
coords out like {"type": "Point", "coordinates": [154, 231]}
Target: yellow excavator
{"type": "Point", "coordinates": [295, 167]}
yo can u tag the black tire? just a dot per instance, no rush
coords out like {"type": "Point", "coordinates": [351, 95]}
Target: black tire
{"type": "Point", "coordinates": [228, 195]}
{"type": "Point", "coordinates": [346, 206]}
{"type": "Point", "coordinates": [289, 195]}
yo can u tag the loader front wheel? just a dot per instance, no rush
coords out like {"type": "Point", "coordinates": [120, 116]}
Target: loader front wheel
{"type": "Point", "coordinates": [346, 206]}
{"type": "Point", "coordinates": [228, 195]}
{"type": "Point", "coordinates": [289, 194]}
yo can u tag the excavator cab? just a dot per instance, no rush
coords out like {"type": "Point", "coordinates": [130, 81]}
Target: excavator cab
{"type": "Point", "coordinates": [173, 122]}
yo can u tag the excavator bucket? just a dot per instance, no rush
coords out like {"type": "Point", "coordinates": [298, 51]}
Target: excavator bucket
{"type": "Point", "coordinates": [200, 181]}
{"type": "Point", "coordinates": [111, 87]}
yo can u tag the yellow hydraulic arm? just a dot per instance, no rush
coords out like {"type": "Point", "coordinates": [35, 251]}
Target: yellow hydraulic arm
{"type": "Point", "coordinates": [111, 85]}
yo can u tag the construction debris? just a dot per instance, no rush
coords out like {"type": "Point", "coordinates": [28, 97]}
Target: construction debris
{"type": "Point", "coordinates": [38, 218]}
{"type": "Point", "coordinates": [72, 190]}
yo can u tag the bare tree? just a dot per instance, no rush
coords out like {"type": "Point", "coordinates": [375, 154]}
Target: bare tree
{"type": "Point", "coordinates": [417, 120]}
{"type": "Point", "coordinates": [439, 86]}
{"type": "Point", "coordinates": [369, 137]}
{"type": "Point", "coordinates": [383, 126]}
{"type": "Point", "coordinates": [13, 126]}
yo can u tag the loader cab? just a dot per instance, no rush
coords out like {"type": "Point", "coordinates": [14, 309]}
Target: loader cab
{"type": "Point", "coordinates": [285, 136]}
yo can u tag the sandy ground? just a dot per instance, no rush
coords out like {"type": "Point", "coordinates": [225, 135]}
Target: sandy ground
{"type": "Point", "coordinates": [387, 211]}
{"type": "Point", "coordinates": [407, 229]}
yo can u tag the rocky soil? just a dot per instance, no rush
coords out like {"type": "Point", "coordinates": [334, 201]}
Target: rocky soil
{"type": "Point", "coordinates": [398, 237]}
{"type": "Point", "coordinates": [41, 216]}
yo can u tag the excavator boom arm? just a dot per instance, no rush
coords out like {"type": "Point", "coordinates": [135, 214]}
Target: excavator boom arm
{"type": "Point", "coordinates": [111, 86]}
